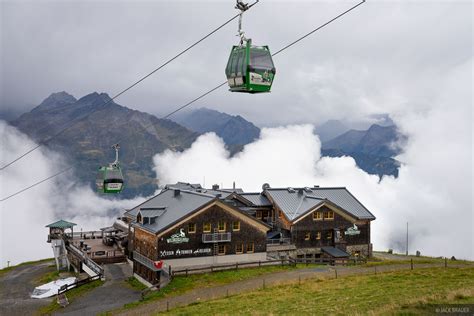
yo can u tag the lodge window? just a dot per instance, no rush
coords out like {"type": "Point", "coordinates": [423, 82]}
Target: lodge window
{"type": "Point", "coordinates": [259, 215]}
{"type": "Point", "coordinates": [239, 248]}
{"type": "Point", "coordinates": [221, 226]}
{"type": "Point", "coordinates": [329, 235]}
{"type": "Point", "coordinates": [206, 227]}
{"type": "Point", "coordinates": [222, 249]}
{"type": "Point", "coordinates": [329, 215]}
{"type": "Point", "coordinates": [250, 247]}
{"type": "Point", "coordinates": [191, 228]}
{"type": "Point", "coordinates": [317, 216]}
{"type": "Point", "coordinates": [307, 236]}
{"type": "Point", "coordinates": [318, 235]}
{"type": "Point", "coordinates": [279, 214]}
{"type": "Point", "coordinates": [236, 226]}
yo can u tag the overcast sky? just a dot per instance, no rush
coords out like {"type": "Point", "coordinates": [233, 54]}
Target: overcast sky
{"type": "Point", "coordinates": [380, 58]}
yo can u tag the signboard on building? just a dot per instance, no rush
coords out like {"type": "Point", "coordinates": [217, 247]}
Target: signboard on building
{"type": "Point", "coordinates": [354, 230]}
{"type": "Point", "coordinates": [178, 238]}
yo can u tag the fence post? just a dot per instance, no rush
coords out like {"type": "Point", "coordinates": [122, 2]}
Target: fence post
{"type": "Point", "coordinates": [445, 262]}
{"type": "Point", "coordinates": [169, 271]}
{"type": "Point", "coordinates": [236, 266]}
{"type": "Point", "coordinates": [259, 263]}
{"type": "Point", "coordinates": [299, 279]}
{"type": "Point", "coordinates": [186, 271]}
{"type": "Point", "coordinates": [335, 271]}
{"type": "Point", "coordinates": [281, 261]}
{"type": "Point", "coordinates": [375, 268]}
{"type": "Point", "coordinates": [167, 306]}
{"type": "Point", "coordinates": [411, 263]}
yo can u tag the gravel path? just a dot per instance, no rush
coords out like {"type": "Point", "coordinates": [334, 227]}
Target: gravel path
{"type": "Point", "coordinates": [16, 287]}
{"type": "Point", "coordinates": [114, 293]}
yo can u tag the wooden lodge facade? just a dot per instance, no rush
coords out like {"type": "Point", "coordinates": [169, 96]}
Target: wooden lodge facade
{"type": "Point", "coordinates": [187, 225]}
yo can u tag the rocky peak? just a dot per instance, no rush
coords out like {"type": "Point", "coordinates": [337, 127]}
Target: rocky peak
{"type": "Point", "coordinates": [55, 100]}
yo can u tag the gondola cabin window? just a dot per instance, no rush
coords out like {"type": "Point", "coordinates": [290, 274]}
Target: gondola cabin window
{"type": "Point", "coordinates": [236, 226]}
{"type": "Point", "coordinates": [191, 228]}
{"type": "Point", "coordinates": [206, 227]}
{"type": "Point", "coordinates": [221, 226]}
{"type": "Point", "coordinates": [317, 216]}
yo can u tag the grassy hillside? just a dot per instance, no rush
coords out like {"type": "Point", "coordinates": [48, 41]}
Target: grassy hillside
{"type": "Point", "coordinates": [389, 293]}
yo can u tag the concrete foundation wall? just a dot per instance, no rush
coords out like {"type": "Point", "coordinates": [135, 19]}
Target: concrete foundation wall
{"type": "Point", "coordinates": [213, 260]}
{"type": "Point", "coordinates": [365, 250]}
{"type": "Point", "coordinates": [142, 280]}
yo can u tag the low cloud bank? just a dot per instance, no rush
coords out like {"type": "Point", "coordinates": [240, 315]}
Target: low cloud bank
{"type": "Point", "coordinates": [23, 218]}
{"type": "Point", "coordinates": [433, 192]}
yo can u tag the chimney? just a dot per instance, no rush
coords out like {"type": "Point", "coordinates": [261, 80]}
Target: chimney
{"type": "Point", "coordinates": [233, 185]}
{"type": "Point", "coordinates": [215, 187]}
{"type": "Point", "coordinates": [300, 191]}
{"type": "Point", "coordinates": [177, 192]}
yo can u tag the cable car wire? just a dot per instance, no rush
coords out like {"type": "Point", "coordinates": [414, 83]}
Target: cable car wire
{"type": "Point", "coordinates": [208, 92]}
{"type": "Point", "coordinates": [69, 125]}
{"type": "Point", "coordinates": [37, 183]}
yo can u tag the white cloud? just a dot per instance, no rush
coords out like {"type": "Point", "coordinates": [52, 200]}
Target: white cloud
{"type": "Point", "coordinates": [23, 217]}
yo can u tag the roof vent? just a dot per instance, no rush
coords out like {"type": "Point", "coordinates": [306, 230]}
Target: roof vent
{"type": "Point", "coordinates": [300, 191]}
{"type": "Point", "coordinates": [218, 195]}
{"type": "Point", "coordinates": [291, 190]}
{"type": "Point", "coordinates": [177, 192]}
{"type": "Point", "coordinates": [316, 186]}
{"type": "Point", "coordinates": [215, 187]}
{"type": "Point", "coordinates": [308, 190]}
{"type": "Point", "coordinates": [265, 186]}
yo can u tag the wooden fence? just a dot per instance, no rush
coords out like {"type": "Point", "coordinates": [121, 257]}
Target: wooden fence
{"type": "Point", "coordinates": [231, 266]}
{"type": "Point", "coordinates": [68, 287]}
{"type": "Point", "coordinates": [331, 261]}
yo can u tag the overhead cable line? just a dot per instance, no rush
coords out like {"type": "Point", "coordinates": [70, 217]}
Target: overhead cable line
{"type": "Point", "coordinates": [71, 123]}
{"type": "Point", "coordinates": [215, 88]}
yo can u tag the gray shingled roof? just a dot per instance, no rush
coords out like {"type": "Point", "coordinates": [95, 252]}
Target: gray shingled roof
{"type": "Point", "coordinates": [256, 199]}
{"type": "Point", "coordinates": [295, 202]}
{"type": "Point", "coordinates": [176, 206]}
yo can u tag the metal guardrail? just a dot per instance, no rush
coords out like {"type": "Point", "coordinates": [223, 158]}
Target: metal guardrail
{"type": "Point", "coordinates": [147, 262]}
{"type": "Point", "coordinates": [281, 241]}
{"type": "Point", "coordinates": [216, 237]}
{"type": "Point", "coordinates": [85, 260]}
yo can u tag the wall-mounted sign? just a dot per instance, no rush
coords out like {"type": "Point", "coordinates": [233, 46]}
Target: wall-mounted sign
{"type": "Point", "coordinates": [184, 252]}
{"type": "Point", "coordinates": [354, 230]}
{"type": "Point", "coordinates": [178, 238]}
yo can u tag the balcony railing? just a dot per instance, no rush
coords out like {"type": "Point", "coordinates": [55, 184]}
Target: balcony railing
{"type": "Point", "coordinates": [216, 237]}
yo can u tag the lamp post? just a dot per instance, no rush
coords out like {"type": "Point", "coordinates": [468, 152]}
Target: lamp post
{"type": "Point", "coordinates": [407, 241]}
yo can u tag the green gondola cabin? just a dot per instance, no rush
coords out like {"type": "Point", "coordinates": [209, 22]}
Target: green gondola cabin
{"type": "Point", "coordinates": [250, 69]}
